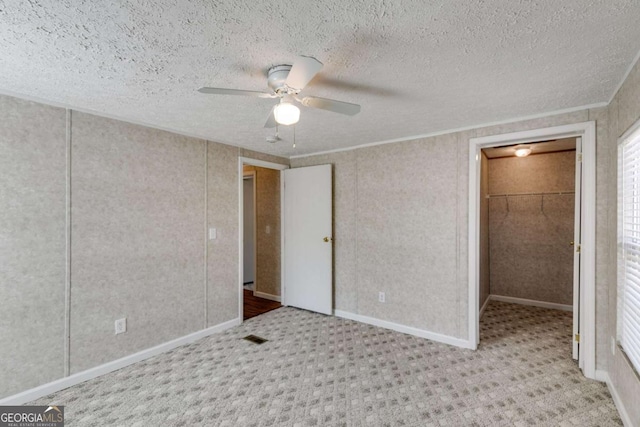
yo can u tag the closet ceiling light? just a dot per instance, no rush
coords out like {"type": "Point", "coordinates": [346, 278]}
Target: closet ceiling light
{"type": "Point", "coordinates": [523, 151]}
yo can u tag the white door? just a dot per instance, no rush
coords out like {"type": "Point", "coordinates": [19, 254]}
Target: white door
{"type": "Point", "coordinates": [308, 243]}
{"type": "Point", "coordinates": [576, 250]}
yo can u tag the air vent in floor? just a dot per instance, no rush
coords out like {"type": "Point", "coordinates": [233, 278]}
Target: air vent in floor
{"type": "Point", "coordinates": [255, 339]}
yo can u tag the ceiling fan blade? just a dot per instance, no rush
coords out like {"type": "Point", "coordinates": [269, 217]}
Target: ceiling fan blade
{"type": "Point", "coordinates": [271, 121]}
{"type": "Point", "coordinates": [331, 105]}
{"type": "Point", "coordinates": [302, 71]}
{"type": "Point", "coordinates": [220, 91]}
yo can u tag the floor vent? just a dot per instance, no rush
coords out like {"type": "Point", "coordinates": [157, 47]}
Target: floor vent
{"type": "Point", "coordinates": [255, 339]}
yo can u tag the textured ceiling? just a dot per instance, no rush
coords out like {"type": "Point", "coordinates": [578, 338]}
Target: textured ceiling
{"type": "Point", "coordinates": [416, 67]}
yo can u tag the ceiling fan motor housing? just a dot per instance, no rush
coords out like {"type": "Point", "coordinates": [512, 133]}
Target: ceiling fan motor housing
{"type": "Point", "coordinates": [276, 78]}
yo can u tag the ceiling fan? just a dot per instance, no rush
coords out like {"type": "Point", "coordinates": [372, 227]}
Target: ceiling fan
{"type": "Point", "coordinates": [286, 82]}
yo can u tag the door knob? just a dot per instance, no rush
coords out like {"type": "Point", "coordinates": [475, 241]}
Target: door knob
{"type": "Point", "coordinates": [327, 239]}
{"type": "Point", "coordinates": [570, 243]}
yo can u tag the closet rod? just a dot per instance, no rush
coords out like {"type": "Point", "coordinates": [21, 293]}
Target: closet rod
{"type": "Point", "coordinates": [550, 193]}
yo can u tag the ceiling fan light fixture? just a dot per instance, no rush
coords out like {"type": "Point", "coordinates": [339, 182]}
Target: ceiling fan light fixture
{"type": "Point", "coordinates": [523, 151]}
{"type": "Point", "coordinates": [286, 113]}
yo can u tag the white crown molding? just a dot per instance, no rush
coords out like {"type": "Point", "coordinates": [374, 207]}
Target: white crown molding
{"type": "Point", "coordinates": [624, 78]}
{"type": "Point", "coordinates": [461, 129]}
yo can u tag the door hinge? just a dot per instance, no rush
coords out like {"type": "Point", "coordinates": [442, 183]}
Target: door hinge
{"type": "Point", "coordinates": [579, 157]}
{"type": "Point", "coordinates": [578, 248]}
{"type": "Point", "coordinates": [577, 338]}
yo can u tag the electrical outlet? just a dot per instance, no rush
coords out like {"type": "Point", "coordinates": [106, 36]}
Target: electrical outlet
{"type": "Point", "coordinates": [121, 326]}
{"type": "Point", "coordinates": [213, 234]}
{"type": "Point", "coordinates": [381, 297]}
{"type": "Point", "coordinates": [268, 229]}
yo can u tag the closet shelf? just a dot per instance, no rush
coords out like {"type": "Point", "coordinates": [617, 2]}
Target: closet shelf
{"type": "Point", "coordinates": [549, 193]}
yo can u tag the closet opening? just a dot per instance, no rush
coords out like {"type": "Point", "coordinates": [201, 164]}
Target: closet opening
{"type": "Point", "coordinates": [532, 242]}
{"type": "Point", "coordinates": [528, 229]}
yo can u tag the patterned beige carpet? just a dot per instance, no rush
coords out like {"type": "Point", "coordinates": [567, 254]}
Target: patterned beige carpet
{"type": "Point", "coordinates": [325, 371]}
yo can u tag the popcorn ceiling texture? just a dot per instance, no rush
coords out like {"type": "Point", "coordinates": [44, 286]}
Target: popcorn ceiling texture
{"type": "Point", "coordinates": [415, 67]}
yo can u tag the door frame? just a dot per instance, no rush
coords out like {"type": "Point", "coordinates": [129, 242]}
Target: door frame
{"type": "Point", "coordinates": [251, 175]}
{"type": "Point", "coordinates": [577, 255]}
{"type": "Point", "coordinates": [587, 308]}
{"type": "Point", "coordinates": [267, 165]}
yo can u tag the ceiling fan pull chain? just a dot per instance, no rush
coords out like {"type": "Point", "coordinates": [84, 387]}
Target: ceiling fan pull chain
{"type": "Point", "coordinates": [294, 136]}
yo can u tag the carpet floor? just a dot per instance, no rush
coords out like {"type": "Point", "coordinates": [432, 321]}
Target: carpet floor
{"type": "Point", "coordinates": [319, 370]}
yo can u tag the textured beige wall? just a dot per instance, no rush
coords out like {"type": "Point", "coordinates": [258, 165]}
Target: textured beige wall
{"type": "Point", "coordinates": [267, 183]}
{"type": "Point", "coordinates": [32, 244]}
{"type": "Point", "coordinates": [399, 211]}
{"type": "Point", "coordinates": [623, 112]}
{"type": "Point", "coordinates": [262, 156]}
{"type": "Point", "coordinates": [222, 297]}
{"type": "Point", "coordinates": [530, 254]}
{"type": "Point", "coordinates": [533, 174]}
{"type": "Point", "coordinates": [605, 213]}
{"type": "Point", "coordinates": [222, 212]}
{"type": "Point", "coordinates": [348, 290]}
{"type": "Point", "coordinates": [141, 200]}
{"type": "Point", "coordinates": [484, 231]}
{"type": "Point", "coordinates": [406, 217]}
{"type": "Point", "coordinates": [420, 291]}
{"type": "Point", "coordinates": [136, 239]}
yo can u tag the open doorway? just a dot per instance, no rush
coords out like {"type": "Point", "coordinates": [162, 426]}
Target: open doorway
{"type": "Point", "coordinates": [530, 255]}
{"type": "Point", "coordinates": [260, 242]}
{"type": "Point", "coordinates": [249, 226]}
{"type": "Point", "coordinates": [529, 221]}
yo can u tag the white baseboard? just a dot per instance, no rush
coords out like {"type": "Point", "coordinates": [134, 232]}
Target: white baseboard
{"type": "Point", "coordinates": [62, 383]}
{"type": "Point", "coordinates": [266, 296]}
{"type": "Point", "coordinates": [484, 306]}
{"type": "Point", "coordinates": [604, 376]}
{"type": "Point", "coordinates": [446, 339]}
{"type": "Point", "coordinates": [534, 303]}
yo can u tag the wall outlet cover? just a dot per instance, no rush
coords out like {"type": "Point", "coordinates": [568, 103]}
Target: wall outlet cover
{"type": "Point", "coordinates": [121, 326]}
{"type": "Point", "coordinates": [381, 297]}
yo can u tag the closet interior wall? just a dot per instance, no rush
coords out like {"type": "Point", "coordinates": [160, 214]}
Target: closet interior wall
{"type": "Point", "coordinates": [531, 226]}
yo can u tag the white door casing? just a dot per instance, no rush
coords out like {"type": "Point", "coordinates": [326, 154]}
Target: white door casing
{"type": "Point", "coordinates": [577, 239]}
{"type": "Point", "coordinates": [586, 307]}
{"type": "Point", "coordinates": [308, 243]}
{"type": "Point", "coordinates": [249, 225]}
{"type": "Point", "coordinates": [263, 164]}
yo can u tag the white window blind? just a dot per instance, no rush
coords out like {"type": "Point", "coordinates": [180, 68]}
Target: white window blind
{"type": "Point", "coordinates": [629, 245]}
